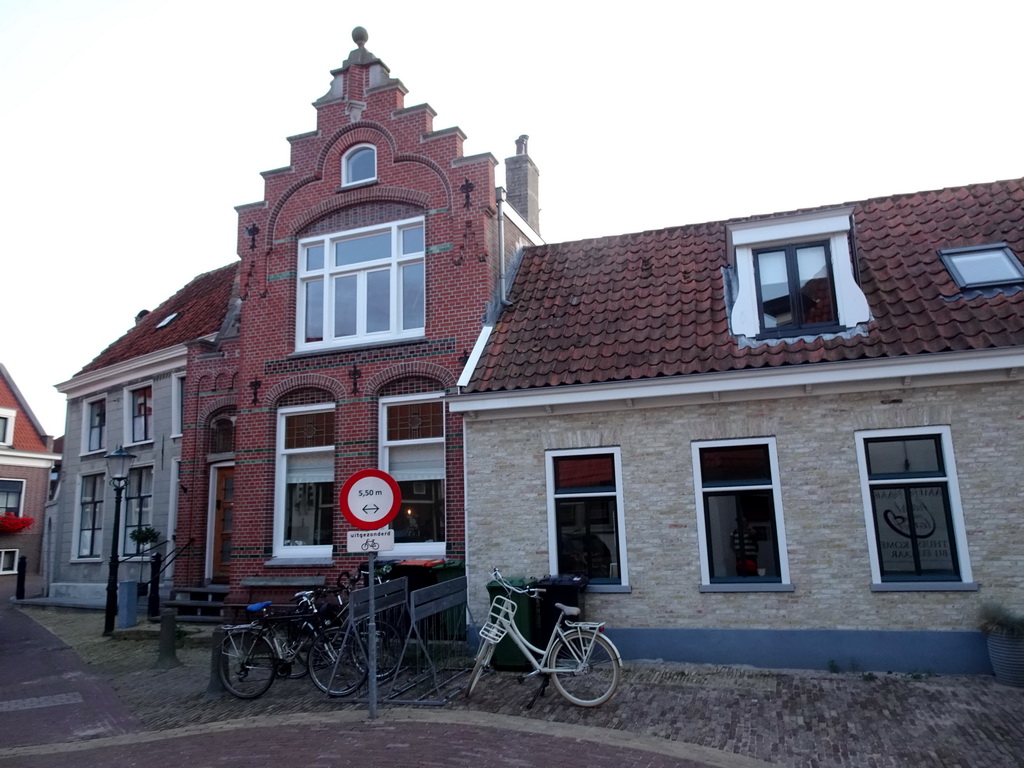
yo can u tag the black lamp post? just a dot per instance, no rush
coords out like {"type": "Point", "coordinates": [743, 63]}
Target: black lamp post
{"type": "Point", "coordinates": [118, 463]}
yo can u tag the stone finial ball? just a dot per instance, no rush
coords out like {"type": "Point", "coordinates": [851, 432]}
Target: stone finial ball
{"type": "Point", "coordinates": [360, 36]}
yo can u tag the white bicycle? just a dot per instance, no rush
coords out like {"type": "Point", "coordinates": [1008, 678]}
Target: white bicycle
{"type": "Point", "coordinates": [584, 665]}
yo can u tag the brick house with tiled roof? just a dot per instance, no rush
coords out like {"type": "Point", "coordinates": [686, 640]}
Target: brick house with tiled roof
{"type": "Point", "coordinates": [783, 441]}
{"type": "Point", "coordinates": [27, 458]}
{"type": "Point", "coordinates": [131, 395]}
{"type": "Point", "coordinates": [365, 273]}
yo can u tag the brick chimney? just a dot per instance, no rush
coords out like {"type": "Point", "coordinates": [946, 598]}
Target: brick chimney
{"type": "Point", "coordinates": [521, 180]}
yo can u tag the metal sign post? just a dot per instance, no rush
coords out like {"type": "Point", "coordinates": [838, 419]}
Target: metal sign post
{"type": "Point", "coordinates": [370, 500]}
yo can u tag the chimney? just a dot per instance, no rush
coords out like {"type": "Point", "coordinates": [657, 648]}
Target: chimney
{"type": "Point", "coordinates": [521, 180]}
{"type": "Point", "coordinates": [142, 314]}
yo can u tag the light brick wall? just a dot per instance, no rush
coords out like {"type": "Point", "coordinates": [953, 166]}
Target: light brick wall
{"type": "Point", "coordinates": [821, 497]}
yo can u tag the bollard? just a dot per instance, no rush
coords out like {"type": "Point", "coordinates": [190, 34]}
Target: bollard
{"type": "Point", "coordinates": [19, 587]}
{"type": "Point", "coordinates": [168, 658]}
{"type": "Point", "coordinates": [153, 607]}
{"type": "Point", "coordinates": [215, 687]}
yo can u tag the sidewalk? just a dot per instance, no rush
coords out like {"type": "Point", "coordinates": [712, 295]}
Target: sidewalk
{"type": "Point", "coordinates": [663, 715]}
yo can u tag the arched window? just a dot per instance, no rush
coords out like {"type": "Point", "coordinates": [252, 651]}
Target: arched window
{"type": "Point", "coordinates": [222, 435]}
{"type": "Point", "coordinates": [359, 165]}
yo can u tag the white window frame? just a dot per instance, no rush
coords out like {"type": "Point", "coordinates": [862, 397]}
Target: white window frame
{"type": "Point", "coordinates": [944, 433]}
{"type": "Point", "coordinates": [425, 548]}
{"type": "Point", "coordinates": [832, 226]}
{"type": "Point", "coordinates": [7, 434]}
{"type": "Point", "coordinates": [87, 407]}
{"type": "Point", "coordinates": [177, 404]}
{"type": "Point", "coordinates": [21, 496]}
{"type": "Point", "coordinates": [784, 583]}
{"type": "Point", "coordinates": [10, 555]}
{"type": "Point", "coordinates": [346, 175]}
{"type": "Point", "coordinates": [329, 275]}
{"type": "Point", "coordinates": [129, 413]}
{"type": "Point", "coordinates": [100, 532]}
{"type": "Point", "coordinates": [316, 551]}
{"type": "Point", "coordinates": [620, 512]}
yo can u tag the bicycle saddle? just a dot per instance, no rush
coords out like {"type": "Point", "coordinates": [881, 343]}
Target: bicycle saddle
{"type": "Point", "coordinates": [568, 610]}
{"type": "Point", "coordinates": [256, 607]}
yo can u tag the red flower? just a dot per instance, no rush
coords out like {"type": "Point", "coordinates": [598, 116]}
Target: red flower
{"type": "Point", "coordinates": [12, 524]}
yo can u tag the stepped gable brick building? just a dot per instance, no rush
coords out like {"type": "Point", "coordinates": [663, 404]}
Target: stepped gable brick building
{"type": "Point", "coordinates": [790, 440]}
{"type": "Point", "coordinates": [366, 273]}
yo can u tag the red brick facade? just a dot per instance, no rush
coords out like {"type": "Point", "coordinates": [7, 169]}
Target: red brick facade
{"type": "Point", "coordinates": [250, 374]}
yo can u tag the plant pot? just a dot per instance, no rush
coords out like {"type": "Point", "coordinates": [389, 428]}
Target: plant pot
{"type": "Point", "coordinates": [1006, 652]}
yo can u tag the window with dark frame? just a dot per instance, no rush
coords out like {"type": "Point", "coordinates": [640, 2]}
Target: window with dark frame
{"type": "Point", "coordinates": [142, 414]}
{"type": "Point", "coordinates": [910, 505]}
{"type": "Point", "coordinates": [739, 513]}
{"type": "Point", "coordinates": [138, 507]}
{"type": "Point", "coordinates": [90, 527]}
{"type": "Point", "coordinates": [11, 493]}
{"type": "Point", "coordinates": [5, 425]}
{"type": "Point", "coordinates": [981, 266]}
{"type": "Point", "coordinates": [586, 516]}
{"type": "Point", "coordinates": [795, 288]}
{"type": "Point", "coordinates": [97, 432]}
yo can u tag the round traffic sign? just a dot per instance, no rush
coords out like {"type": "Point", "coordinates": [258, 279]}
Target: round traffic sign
{"type": "Point", "coordinates": [370, 499]}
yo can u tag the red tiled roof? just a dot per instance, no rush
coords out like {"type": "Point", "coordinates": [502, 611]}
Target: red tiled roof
{"type": "Point", "coordinates": [28, 433]}
{"type": "Point", "coordinates": [200, 306]}
{"type": "Point", "coordinates": [653, 303]}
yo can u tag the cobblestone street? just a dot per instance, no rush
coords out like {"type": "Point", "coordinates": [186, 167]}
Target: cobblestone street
{"type": "Point", "coordinates": [726, 715]}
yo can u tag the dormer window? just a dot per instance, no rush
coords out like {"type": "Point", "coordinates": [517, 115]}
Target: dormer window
{"type": "Point", "coordinates": [794, 288]}
{"type": "Point", "coordinates": [794, 276]}
{"type": "Point", "coordinates": [981, 266]}
{"type": "Point", "coordinates": [359, 166]}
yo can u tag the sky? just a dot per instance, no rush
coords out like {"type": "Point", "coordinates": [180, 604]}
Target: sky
{"type": "Point", "coordinates": [130, 129]}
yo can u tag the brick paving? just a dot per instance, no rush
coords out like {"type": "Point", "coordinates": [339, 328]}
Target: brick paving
{"type": "Point", "coordinates": [663, 714]}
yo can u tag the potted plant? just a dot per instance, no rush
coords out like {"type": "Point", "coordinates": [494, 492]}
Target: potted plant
{"type": "Point", "coordinates": [12, 523]}
{"type": "Point", "coordinates": [144, 537]}
{"type": "Point", "coordinates": [1004, 632]}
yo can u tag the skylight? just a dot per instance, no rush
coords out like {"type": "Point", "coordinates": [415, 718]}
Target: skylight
{"type": "Point", "coordinates": [167, 320]}
{"type": "Point", "coordinates": [983, 265]}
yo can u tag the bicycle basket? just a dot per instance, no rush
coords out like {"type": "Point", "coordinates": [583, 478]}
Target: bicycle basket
{"type": "Point", "coordinates": [503, 613]}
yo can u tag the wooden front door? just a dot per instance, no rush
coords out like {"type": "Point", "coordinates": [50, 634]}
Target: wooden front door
{"type": "Point", "coordinates": [223, 519]}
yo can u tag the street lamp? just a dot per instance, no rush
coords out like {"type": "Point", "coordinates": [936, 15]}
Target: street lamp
{"type": "Point", "coordinates": [118, 463]}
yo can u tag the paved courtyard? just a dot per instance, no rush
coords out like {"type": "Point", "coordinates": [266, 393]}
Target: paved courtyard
{"type": "Point", "coordinates": [663, 714]}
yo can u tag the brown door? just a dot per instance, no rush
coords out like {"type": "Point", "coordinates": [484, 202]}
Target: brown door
{"type": "Point", "coordinates": [223, 519]}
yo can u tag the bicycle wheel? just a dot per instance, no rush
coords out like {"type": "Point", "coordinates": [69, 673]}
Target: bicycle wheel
{"type": "Point", "coordinates": [483, 658]}
{"type": "Point", "coordinates": [248, 664]}
{"type": "Point", "coordinates": [585, 680]}
{"type": "Point", "coordinates": [334, 669]}
{"type": "Point", "coordinates": [295, 650]}
{"type": "Point", "coordinates": [389, 647]}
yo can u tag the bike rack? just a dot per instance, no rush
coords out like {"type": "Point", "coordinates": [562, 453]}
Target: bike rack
{"type": "Point", "coordinates": [434, 652]}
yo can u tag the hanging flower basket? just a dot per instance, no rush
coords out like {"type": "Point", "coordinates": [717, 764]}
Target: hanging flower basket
{"type": "Point", "coordinates": [12, 523]}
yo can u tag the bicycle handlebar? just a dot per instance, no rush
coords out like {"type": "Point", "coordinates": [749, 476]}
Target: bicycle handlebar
{"type": "Point", "coordinates": [528, 591]}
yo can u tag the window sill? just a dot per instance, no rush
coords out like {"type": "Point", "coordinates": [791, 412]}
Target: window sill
{"type": "Point", "coordinates": [356, 346]}
{"type": "Point", "coordinates": [356, 185]}
{"type": "Point", "coordinates": [99, 453]}
{"type": "Point", "coordinates": [609, 588]}
{"type": "Point", "coordinates": [756, 587]}
{"type": "Point", "coordinates": [291, 562]}
{"type": "Point", "coordinates": [925, 586]}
